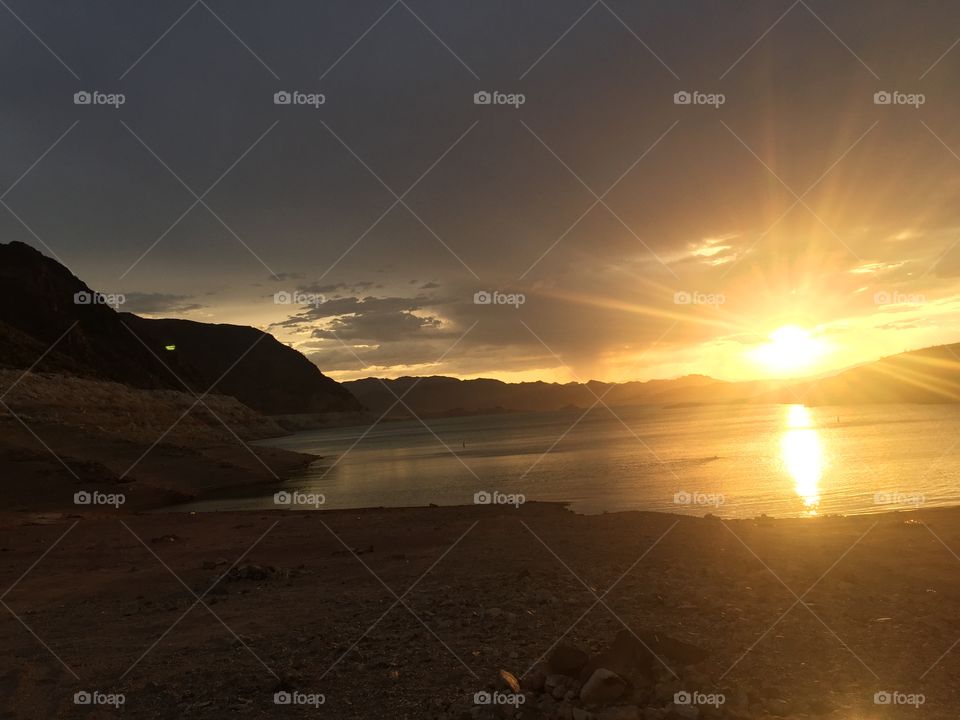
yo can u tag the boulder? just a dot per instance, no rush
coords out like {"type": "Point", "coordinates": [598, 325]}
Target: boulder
{"type": "Point", "coordinates": [642, 653]}
{"type": "Point", "coordinates": [604, 686]}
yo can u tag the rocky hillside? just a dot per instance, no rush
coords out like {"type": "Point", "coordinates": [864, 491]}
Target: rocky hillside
{"type": "Point", "coordinates": [272, 377]}
{"type": "Point", "coordinates": [41, 301]}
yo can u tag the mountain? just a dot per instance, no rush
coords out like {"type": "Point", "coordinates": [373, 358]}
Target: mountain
{"type": "Point", "coordinates": [432, 396]}
{"type": "Point", "coordinates": [272, 377]}
{"type": "Point", "coordinates": [41, 301]}
{"type": "Point", "coordinates": [931, 375]}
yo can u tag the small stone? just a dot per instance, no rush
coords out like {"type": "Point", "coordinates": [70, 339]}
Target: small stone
{"type": "Point", "coordinates": [603, 687]}
{"type": "Point", "coordinates": [506, 680]}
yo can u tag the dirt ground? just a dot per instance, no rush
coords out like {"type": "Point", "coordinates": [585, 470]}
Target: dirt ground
{"type": "Point", "coordinates": [406, 613]}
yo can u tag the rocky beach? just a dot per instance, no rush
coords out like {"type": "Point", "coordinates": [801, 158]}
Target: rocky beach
{"type": "Point", "coordinates": [479, 612]}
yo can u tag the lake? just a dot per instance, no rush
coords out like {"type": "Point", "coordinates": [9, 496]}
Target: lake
{"type": "Point", "coordinates": [733, 461]}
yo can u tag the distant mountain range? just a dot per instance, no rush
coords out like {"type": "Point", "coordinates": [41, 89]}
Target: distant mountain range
{"type": "Point", "coordinates": [42, 304]}
{"type": "Point", "coordinates": [931, 375]}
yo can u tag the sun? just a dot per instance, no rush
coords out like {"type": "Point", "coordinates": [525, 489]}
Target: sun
{"type": "Point", "coordinates": [790, 349]}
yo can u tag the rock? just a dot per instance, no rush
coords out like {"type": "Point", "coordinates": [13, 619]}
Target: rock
{"type": "Point", "coordinates": [566, 660]}
{"type": "Point", "coordinates": [604, 686]}
{"type": "Point", "coordinates": [652, 713]}
{"type": "Point", "coordinates": [581, 714]}
{"type": "Point", "coordinates": [506, 680]}
{"type": "Point", "coordinates": [554, 681]}
{"type": "Point", "coordinates": [642, 653]}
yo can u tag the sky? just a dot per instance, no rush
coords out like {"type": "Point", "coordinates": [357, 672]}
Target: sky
{"type": "Point", "coordinates": [618, 231]}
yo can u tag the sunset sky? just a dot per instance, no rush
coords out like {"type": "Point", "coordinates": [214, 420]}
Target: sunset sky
{"type": "Point", "coordinates": [647, 238]}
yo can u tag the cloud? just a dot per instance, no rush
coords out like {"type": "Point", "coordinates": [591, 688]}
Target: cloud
{"type": "Point", "coordinates": [159, 303]}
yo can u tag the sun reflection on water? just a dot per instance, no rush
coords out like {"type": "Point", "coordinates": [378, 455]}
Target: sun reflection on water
{"type": "Point", "coordinates": [802, 455]}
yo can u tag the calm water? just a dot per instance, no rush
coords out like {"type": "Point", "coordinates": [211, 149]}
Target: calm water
{"type": "Point", "coordinates": [732, 461]}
